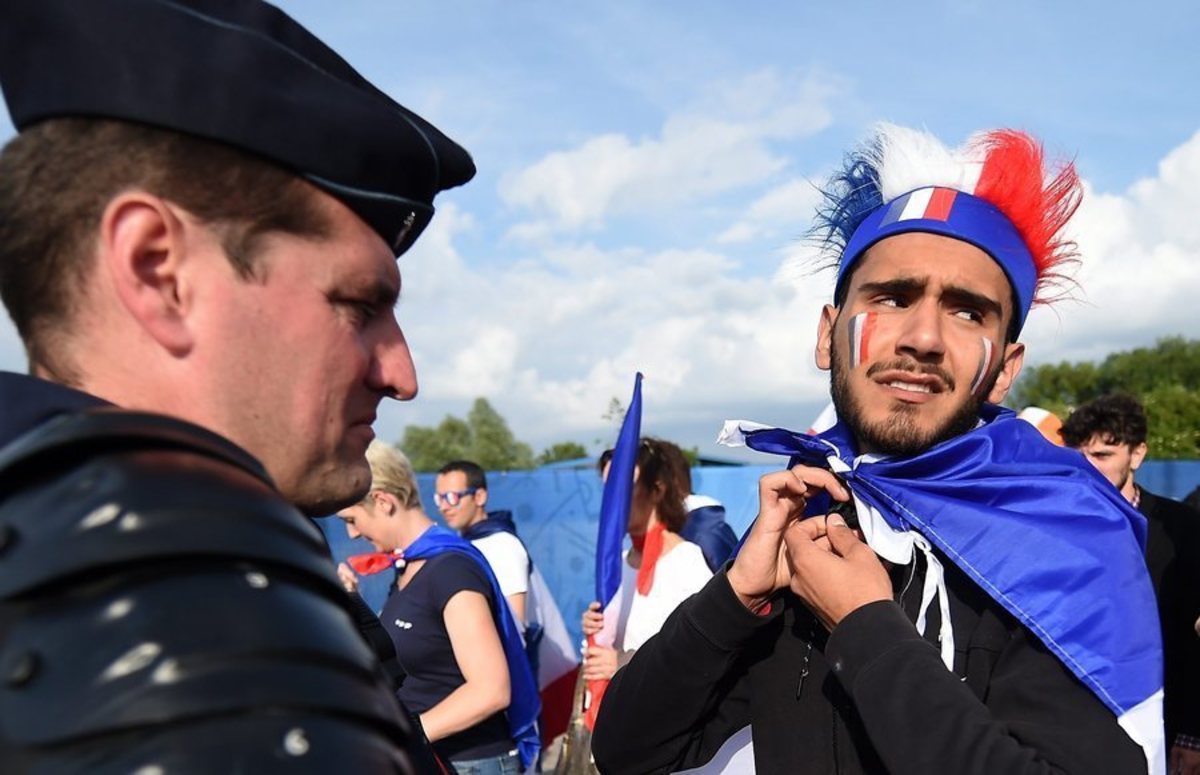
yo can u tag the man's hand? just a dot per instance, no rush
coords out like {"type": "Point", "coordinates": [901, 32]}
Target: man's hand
{"type": "Point", "coordinates": [599, 663]}
{"type": "Point", "coordinates": [761, 567]}
{"type": "Point", "coordinates": [347, 577]}
{"type": "Point", "coordinates": [1183, 761]}
{"type": "Point", "coordinates": [834, 572]}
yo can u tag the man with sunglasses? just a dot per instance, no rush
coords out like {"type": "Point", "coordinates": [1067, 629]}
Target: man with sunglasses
{"type": "Point", "coordinates": [199, 224]}
{"type": "Point", "coordinates": [461, 496]}
{"type": "Point", "coordinates": [931, 586]}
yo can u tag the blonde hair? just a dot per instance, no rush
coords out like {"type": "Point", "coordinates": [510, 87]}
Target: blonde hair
{"type": "Point", "coordinates": [392, 473]}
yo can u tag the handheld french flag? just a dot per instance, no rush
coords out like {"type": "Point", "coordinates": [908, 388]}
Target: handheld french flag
{"type": "Point", "coordinates": [615, 503]}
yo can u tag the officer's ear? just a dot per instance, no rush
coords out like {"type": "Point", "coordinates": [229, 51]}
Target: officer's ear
{"type": "Point", "coordinates": [143, 243]}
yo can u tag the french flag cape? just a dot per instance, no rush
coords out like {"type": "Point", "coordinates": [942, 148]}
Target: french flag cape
{"type": "Point", "coordinates": [524, 704]}
{"type": "Point", "coordinates": [1034, 525]}
{"type": "Point", "coordinates": [548, 642]}
{"type": "Point", "coordinates": [615, 502]}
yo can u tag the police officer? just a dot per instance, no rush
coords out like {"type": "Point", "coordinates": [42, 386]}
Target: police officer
{"type": "Point", "coordinates": [199, 225]}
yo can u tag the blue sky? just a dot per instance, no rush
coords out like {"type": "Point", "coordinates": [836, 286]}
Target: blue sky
{"type": "Point", "coordinates": [646, 170]}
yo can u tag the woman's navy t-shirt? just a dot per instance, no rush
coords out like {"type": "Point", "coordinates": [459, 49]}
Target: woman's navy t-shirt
{"type": "Point", "coordinates": [413, 617]}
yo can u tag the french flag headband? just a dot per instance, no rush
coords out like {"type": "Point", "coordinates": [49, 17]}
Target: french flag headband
{"type": "Point", "coordinates": [993, 192]}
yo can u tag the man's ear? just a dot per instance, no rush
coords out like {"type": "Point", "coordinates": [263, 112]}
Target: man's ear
{"type": "Point", "coordinates": [143, 246]}
{"type": "Point", "coordinates": [824, 349]}
{"type": "Point", "coordinates": [481, 497]}
{"type": "Point", "coordinates": [1014, 357]}
{"type": "Point", "coordinates": [1137, 456]}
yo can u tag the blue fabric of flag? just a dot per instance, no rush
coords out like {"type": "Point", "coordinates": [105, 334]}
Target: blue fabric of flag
{"type": "Point", "coordinates": [525, 703]}
{"type": "Point", "coordinates": [1035, 525]}
{"type": "Point", "coordinates": [616, 500]}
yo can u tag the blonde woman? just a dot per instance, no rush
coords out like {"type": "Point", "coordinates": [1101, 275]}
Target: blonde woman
{"type": "Point", "coordinates": [468, 678]}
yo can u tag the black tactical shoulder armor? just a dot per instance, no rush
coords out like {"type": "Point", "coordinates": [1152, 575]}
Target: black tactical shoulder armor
{"type": "Point", "coordinates": [163, 610]}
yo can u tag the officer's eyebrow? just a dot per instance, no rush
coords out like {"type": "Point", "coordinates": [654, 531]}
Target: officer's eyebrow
{"type": "Point", "coordinates": [379, 292]}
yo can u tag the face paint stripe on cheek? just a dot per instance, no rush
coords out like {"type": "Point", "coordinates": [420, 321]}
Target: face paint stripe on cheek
{"type": "Point", "coordinates": [985, 364]}
{"type": "Point", "coordinates": [862, 326]}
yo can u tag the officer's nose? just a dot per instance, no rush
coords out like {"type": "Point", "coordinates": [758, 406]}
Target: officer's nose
{"type": "Point", "coordinates": [392, 371]}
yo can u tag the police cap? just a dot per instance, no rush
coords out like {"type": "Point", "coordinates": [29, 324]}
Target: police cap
{"type": "Point", "coordinates": [240, 72]}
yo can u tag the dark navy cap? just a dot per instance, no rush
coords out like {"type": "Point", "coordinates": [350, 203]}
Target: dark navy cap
{"type": "Point", "coordinates": [241, 72]}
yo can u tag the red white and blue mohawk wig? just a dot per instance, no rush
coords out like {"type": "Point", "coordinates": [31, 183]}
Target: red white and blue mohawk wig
{"type": "Point", "coordinates": [993, 192]}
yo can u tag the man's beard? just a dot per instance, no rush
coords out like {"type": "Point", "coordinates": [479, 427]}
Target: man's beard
{"type": "Point", "coordinates": [898, 434]}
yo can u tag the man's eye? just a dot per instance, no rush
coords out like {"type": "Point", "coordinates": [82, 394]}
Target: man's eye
{"type": "Point", "coordinates": [361, 313]}
{"type": "Point", "coordinates": [890, 301]}
{"type": "Point", "coordinates": [973, 315]}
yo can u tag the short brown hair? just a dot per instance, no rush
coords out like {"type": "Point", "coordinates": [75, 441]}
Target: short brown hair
{"type": "Point", "coordinates": [1116, 418]}
{"type": "Point", "coordinates": [57, 177]}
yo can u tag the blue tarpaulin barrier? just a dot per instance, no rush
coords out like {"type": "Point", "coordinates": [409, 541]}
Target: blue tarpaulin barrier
{"type": "Point", "coordinates": [556, 511]}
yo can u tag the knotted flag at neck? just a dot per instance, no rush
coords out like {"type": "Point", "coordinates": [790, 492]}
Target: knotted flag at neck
{"type": "Point", "coordinates": [370, 563]}
{"type": "Point", "coordinates": [650, 546]}
{"type": "Point", "coordinates": [525, 704]}
{"type": "Point", "coordinates": [1037, 528]}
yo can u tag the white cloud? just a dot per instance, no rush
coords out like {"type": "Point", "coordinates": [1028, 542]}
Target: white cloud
{"type": "Point", "coordinates": [552, 340]}
{"type": "Point", "coordinates": [552, 336]}
{"type": "Point", "coordinates": [1138, 276]}
{"type": "Point", "coordinates": [560, 333]}
{"type": "Point", "coordinates": [720, 143]}
{"type": "Point", "coordinates": [784, 208]}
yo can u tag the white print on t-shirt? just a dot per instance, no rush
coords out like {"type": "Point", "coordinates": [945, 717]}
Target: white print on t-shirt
{"type": "Point", "coordinates": [403, 625]}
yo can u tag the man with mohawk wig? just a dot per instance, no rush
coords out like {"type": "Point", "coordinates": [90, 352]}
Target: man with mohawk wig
{"type": "Point", "coordinates": [931, 586]}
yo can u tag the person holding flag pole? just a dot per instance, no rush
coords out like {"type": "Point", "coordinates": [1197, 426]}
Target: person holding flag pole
{"type": "Point", "coordinates": [614, 516]}
{"type": "Point", "coordinates": [638, 589]}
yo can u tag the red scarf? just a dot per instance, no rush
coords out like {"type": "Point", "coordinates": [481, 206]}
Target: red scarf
{"type": "Point", "coordinates": [375, 562]}
{"type": "Point", "coordinates": [650, 545]}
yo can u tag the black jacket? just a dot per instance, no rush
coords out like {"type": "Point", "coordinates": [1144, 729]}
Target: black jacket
{"type": "Point", "coordinates": [1173, 557]}
{"type": "Point", "coordinates": [162, 607]}
{"type": "Point", "coordinates": [874, 696]}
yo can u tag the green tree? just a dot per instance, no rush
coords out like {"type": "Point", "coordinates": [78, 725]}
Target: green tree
{"type": "Point", "coordinates": [1165, 378]}
{"type": "Point", "coordinates": [430, 448]}
{"type": "Point", "coordinates": [565, 450]}
{"type": "Point", "coordinates": [493, 445]}
{"type": "Point", "coordinates": [484, 437]}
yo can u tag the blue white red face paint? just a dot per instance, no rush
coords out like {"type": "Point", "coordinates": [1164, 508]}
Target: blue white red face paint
{"type": "Point", "coordinates": [985, 365]}
{"type": "Point", "coordinates": [862, 326]}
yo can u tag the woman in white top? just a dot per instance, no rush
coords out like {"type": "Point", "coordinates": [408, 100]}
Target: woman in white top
{"type": "Point", "coordinates": [659, 572]}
